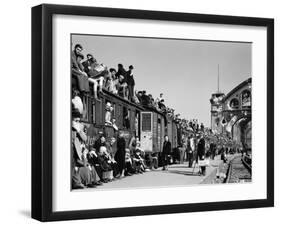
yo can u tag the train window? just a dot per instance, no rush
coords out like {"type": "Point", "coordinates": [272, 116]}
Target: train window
{"type": "Point", "coordinates": [114, 110]}
{"type": "Point", "coordinates": [85, 108]}
{"type": "Point", "coordinates": [93, 112]}
{"type": "Point", "coordinates": [137, 115]}
{"type": "Point", "coordinates": [126, 118]}
{"type": "Point", "coordinates": [132, 119]}
{"type": "Point", "coordinates": [246, 98]}
{"type": "Point", "coordinates": [146, 121]}
{"type": "Point", "coordinates": [99, 112]}
{"type": "Point", "coordinates": [234, 103]}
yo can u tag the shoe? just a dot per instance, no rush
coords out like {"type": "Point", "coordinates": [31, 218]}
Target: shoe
{"type": "Point", "coordinates": [91, 186]}
{"type": "Point", "coordinates": [79, 186]}
{"type": "Point", "coordinates": [98, 183]}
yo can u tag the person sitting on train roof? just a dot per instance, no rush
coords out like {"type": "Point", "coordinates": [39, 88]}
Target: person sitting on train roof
{"type": "Point", "coordinates": [151, 101]}
{"type": "Point", "coordinates": [79, 76]}
{"type": "Point", "coordinates": [158, 99]}
{"type": "Point", "coordinates": [111, 82]}
{"type": "Point", "coordinates": [145, 99]}
{"type": "Point", "coordinates": [122, 87]}
{"type": "Point", "coordinates": [139, 97]}
{"type": "Point", "coordinates": [96, 73]}
{"type": "Point", "coordinates": [136, 98]}
{"type": "Point", "coordinates": [129, 78]}
{"type": "Point", "coordinates": [121, 71]}
{"type": "Point", "coordinates": [89, 63]}
{"type": "Point", "coordinates": [161, 105]}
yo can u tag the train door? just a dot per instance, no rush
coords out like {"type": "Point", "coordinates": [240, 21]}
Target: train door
{"type": "Point", "coordinates": [170, 130]}
{"type": "Point", "coordinates": [163, 132]}
{"type": "Point", "coordinates": [146, 131]}
{"type": "Point", "coordinates": [159, 134]}
{"type": "Point", "coordinates": [137, 123]}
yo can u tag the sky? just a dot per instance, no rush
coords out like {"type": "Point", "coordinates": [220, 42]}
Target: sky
{"type": "Point", "coordinates": [185, 71]}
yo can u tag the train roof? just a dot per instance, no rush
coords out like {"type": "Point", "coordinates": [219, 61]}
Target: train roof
{"type": "Point", "coordinates": [111, 95]}
{"type": "Point", "coordinates": [140, 107]}
{"type": "Point", "coordinates": [154, 110]}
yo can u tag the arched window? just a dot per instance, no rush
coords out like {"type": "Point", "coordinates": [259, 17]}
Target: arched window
{"type": "Point", "coordinates": [246, 98]}
{"type": "Point", "coordinates": [234, 103]}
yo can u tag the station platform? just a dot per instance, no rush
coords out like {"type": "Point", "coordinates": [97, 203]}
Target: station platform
{"type": "Point", "coordinates": [176, 175]}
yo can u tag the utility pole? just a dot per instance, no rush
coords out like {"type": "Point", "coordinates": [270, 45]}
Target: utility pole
{"type": "Point", "coordinates": [218, 78]}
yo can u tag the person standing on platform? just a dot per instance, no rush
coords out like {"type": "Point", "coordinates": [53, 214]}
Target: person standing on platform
{"type": "Point", "coordinates": [120, 153]}
{"type": "Point", "coordinates": [191, 151]}
{"type": "Point", "coordinates": [201, 153]}
{"type": "Point", "coordinates": [167, 148]}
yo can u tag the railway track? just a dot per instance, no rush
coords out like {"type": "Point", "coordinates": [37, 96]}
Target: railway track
{"type": "Point", "coordinates": [239, 170]}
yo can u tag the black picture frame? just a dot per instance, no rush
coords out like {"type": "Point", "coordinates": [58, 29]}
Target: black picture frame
{"type": "Point", "coordinates": [42, 111]}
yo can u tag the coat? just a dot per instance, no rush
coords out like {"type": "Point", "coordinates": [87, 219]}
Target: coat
{"type": "Point", "coordinates": [201, 149]}
{"type": "Point", "coordinates": [120, 153]}
{"type": "Point", "coordinates": [167, 148]}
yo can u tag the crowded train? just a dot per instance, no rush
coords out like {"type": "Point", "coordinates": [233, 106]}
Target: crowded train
{"type": "Point", "coordinates": [118, 131]}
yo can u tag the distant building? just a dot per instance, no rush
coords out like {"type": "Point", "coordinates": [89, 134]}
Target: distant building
{"type": "Point", "coordinates": [231, 114]}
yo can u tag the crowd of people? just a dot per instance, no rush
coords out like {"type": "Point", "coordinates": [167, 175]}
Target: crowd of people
{"type": "Point", "coordinates": [89, 72]}
{"type": "Point", "coordinates": [121, 82]}
{"type": "Point", "coordinates": [107, 159]}
{"type": "Point", "coordinates": [199, 148]}
{"type": "Point", "coordinates": [110, 159]}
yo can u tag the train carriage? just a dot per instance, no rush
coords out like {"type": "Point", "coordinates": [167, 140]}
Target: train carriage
{"type": "Point", "coordinates": [146, 123]}
{"type": "Point", "coordinates": [152, 130]}
{"type": "Point", "coordinates": [126, 113]}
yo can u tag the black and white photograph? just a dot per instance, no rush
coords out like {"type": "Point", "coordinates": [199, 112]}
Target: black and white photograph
{"type": "Point", "coordinates": [151, 112]}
